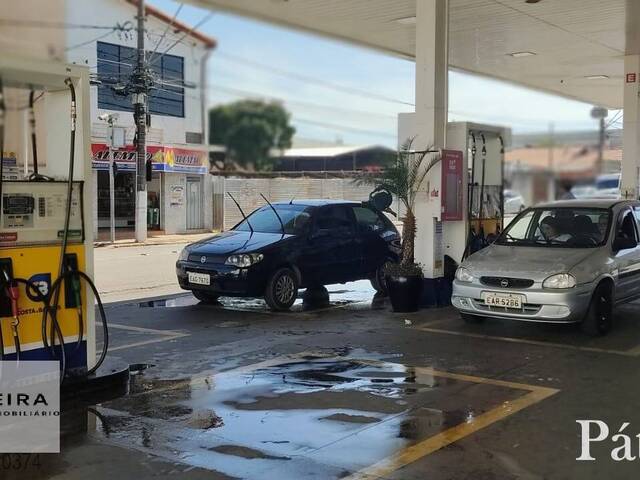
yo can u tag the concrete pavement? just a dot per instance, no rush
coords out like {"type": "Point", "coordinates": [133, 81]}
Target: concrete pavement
{"type": "Point", "coordinates": [136, 271]}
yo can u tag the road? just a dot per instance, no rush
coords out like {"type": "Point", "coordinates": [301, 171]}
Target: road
{"type": "Point", "coordinates": [127, 273]}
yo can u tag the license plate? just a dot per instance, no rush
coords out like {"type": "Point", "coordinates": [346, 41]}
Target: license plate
{"type": "Point", "coordinates": [199, 278]}
{"type": "Point", "coordinates": [503, 300]}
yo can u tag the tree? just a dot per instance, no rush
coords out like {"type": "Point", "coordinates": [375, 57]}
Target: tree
{"type": "Point", "coordinates": [403, 179]}
{"type": "Point", "coordinates": [250, 129]}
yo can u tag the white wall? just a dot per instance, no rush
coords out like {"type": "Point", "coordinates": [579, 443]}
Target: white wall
{"type": "Point", "coordinates": [35, 43]}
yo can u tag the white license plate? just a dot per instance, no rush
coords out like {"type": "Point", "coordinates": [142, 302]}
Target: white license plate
{"type": "Point", "coordinates": [503, 300]}
{"type": "Point", "coordinates": [199, 278]}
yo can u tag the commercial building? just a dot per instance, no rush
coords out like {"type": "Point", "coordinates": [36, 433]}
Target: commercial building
{"type": "Point", "coordinates": [179, 193]}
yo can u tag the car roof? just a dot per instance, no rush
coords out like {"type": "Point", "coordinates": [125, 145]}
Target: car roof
{"type": "Point", "coordinates": [317, 202]}
{"type": "Point", "coordinates": [586, 203]}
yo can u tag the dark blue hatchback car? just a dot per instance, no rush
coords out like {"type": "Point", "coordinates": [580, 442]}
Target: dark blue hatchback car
{"type": "Point", "coordinates": [285, 246]}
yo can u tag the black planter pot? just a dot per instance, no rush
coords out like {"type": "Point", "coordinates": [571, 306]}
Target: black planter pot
{"type": "Point", "coordinates": [405, 292]}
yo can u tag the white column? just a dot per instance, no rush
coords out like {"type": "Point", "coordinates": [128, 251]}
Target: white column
{"type": "Point", "coordinates": [631, 127]}
{"type": "Point", "coordinates": [432, 18]}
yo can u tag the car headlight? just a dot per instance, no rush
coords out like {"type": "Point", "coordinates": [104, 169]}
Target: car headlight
{"type": "Point", "coordinates": [244, 260]}
{"type": "Point", "coordinates": [184, 254]}
{"type": "Point", "coordinates": [463, 275]}
{"type": "Point", "coordinates": [560, 280]}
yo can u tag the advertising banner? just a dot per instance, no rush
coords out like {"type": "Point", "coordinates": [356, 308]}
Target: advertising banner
{"type": "Point", "coordinates": [164, 159]}
{"type": "Point", "coordinates": [452, 189]}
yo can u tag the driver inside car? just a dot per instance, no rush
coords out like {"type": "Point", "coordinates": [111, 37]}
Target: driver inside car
{"type": "Point", "coordinates": [549, 226]}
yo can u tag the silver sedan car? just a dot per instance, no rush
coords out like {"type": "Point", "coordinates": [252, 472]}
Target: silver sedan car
{"type": "Point", "coordinates": [564, 262]}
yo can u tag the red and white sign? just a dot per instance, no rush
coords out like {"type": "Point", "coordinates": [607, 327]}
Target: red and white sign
{"type": "Point", "coordinates": [164, 159]}
{"type": "Point", "coordinates": [451, 185]}
{"type": "Point", "coordinates": [631, 78]}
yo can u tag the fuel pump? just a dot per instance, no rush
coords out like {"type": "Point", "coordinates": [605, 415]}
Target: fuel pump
{"type": "Point", "coordinates": [445, 240]}
{"type": "Point", "coordinates": [47, 294]}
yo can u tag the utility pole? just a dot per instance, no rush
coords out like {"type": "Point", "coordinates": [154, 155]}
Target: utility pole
{"type": "Point", "coordinates": [140, 89]}
{"type": "Point", "coordinates": [600, 114]}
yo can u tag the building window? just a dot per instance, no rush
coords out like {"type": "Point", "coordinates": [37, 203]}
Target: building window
{"type": "Point", "coordinates": [115, 64]}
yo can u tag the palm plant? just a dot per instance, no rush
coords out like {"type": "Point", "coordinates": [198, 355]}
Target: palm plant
{"type": "Point", "coordinates": [403, 179]}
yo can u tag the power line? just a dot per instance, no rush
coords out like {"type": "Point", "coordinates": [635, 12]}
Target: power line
{"type": "Point", "coordinates": [239, 92]}
{"type": "Point", "coordinates": [175, 16]}
{"type": "Point", "coordinates": [104, 35]}
{"type": "Point", "coordinates": [188, 32]}
{"type": "Point", "coordinates": [341, 127]}
{"type": "Point", "coordinates": [60, 25]}
{"type": "Point", "coordinates": [308, 79]}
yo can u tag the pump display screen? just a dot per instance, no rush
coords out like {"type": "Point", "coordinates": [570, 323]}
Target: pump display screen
{"type": "Point", "coordinates": [33, 213]}
{"type": "Point", "coordinates": [17, 204]}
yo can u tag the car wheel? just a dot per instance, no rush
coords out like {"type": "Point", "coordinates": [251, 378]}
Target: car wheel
{"type": "Point", "coordinates": [282, 290]}
{"type": "Point", "coordinates": [472, 319]}
{"type": "Point", "coordinates": [205, 297]}
{"type": "Point", "coordinates": [378, 282]}
{"type": "Point", "coordinates": [599, 318]}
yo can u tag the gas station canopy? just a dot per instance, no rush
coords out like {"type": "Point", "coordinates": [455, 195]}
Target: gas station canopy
{"type": "Point", "coordinates": [573, 48]}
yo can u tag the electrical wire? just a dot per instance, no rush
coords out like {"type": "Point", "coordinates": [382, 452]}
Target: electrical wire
{"type": "Point", "coordinates": [14, 22]}
{"type": "Point", "coordinates": [309, 79]}
{"type": "Point", "coordinates": [166, 30]}
{"type": "Point", "coordinates": [188, 32]}
{"type": "Point", "coordinates": [88, 42]}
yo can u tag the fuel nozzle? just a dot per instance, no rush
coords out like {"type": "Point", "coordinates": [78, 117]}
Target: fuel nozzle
{"type": "Point", "coordinates": [13, 293]}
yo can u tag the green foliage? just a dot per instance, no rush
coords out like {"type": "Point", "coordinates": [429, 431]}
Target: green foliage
{"type": "Point", "coordinates": [249, 129]}
{"type": "Point", "coordinates": [403, 178]}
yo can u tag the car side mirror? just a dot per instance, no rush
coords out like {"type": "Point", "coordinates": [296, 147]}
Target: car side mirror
{"type": "Point", "coordinates": [623, 243]}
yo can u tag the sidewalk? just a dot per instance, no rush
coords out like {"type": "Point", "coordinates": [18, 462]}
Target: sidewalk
{"type": "Point", "coordinates": [154, 238]}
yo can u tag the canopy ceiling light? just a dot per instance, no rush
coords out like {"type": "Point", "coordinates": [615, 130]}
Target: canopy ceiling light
{"type": "Point", "coordinates": [521, 54]}
{"type": "Point", "coordinates": [597, 77]}
{"type": "Point", "coordinates": [406, 20]}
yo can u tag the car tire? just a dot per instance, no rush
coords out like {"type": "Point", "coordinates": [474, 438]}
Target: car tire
{"type": "Point", "coordinates": [599, 318]}
{"type": "Point", "coordinates": [282, 290]}
{"type": "Point", "coordinates": [378, 282]}
{"type": "Point", "coordinates": [206, 297]}
{"type": "Point", "coordinates": [472, 319]}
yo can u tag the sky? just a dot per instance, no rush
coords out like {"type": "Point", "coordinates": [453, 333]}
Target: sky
{"type": "Point", "coordinates": [337, 92]}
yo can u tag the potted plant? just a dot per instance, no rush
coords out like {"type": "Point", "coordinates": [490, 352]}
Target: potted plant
{"type": "Point", "coordinates": [403, 178]}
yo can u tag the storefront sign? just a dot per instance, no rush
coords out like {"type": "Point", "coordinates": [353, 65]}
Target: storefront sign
{"type": "Point", "coordinates": [164, 159]}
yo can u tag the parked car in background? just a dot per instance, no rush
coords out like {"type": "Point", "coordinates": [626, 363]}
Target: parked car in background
{"type": "Point", "coordinates": [608, 186]}
{"type": "Point", "coordinates": [583, 191]}
{"type": "Point", "coordinates": [513, 202]}
{"type": "Point", "coordinates": [562, 262]}
{"type": "Point", "coordinates": [285, 246]}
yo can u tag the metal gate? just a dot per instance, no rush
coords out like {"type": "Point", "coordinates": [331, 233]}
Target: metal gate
{"type": "Point", "coordinates": [194, 203]}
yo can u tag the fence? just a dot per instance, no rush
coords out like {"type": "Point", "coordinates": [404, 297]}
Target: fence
{"type": "Point", "coordinates": [247, 192]}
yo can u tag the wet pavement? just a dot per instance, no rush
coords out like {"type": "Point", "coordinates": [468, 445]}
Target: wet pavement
{"type": "Point", "coordinates": [350, 390]}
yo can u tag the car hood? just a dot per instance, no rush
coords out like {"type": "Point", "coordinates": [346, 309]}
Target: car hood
{"type": "Point", "coordinates": [236, 242]}
{"type": "Point", "coordinates": [536, 263]}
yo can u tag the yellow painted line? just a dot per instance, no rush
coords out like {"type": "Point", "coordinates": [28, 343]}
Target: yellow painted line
{"type": "Point", "coordinates": [633, 352]}
{"type": "Point", "coordinates": [432, 444]}
{"type": "Point", "coordinates": [415, 452]}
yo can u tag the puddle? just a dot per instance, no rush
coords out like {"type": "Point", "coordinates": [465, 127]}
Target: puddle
{"type": "Point", "coordinates": [301, 417]}
{"type": "Point", "coordinates": [340, 295]}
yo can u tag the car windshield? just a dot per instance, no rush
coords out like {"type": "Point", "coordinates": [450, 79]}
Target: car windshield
{"type": "Point", "coordinates": [264, 220]}
{"type": "Point", "coordinates": [558, 227]}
